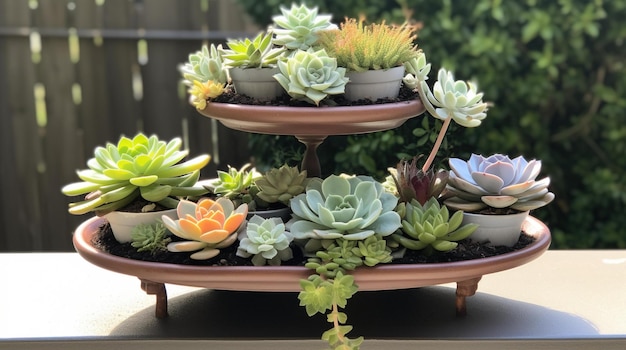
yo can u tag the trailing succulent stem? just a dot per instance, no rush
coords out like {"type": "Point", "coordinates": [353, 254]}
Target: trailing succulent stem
{"type": "Point", "coordinates": [330, 287]}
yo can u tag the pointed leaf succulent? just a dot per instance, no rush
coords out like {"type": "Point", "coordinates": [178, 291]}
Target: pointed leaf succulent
{"type": "Point", "coordinates": [256, 53]}
{"type": "Point", "coordinates": [141, 166]}
{"type": "Point", "coordinates": [280, 185]}
{"type": "Point", "coordinates": [205, 65]}
{"type": "Point", "coordinates": [431, 227]}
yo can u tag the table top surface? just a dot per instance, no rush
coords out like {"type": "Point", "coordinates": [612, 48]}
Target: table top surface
{"type": "Point", "coordinates": [47, 298]}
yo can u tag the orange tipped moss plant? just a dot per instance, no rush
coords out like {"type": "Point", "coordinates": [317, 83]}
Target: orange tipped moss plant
{"type": "Point", "coordinates": [361, 47]}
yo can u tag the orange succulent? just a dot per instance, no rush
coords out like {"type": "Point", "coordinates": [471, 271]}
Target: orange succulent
{"type": "Point", "coordinates": [208, 226]}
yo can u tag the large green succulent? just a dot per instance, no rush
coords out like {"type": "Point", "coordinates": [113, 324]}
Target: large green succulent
{"type": "Point", "coordinates": [205, 65]}
{"type": "Point", "coordinates": [311, 76]}
{"type": "Point", "coordinates": [256, 53]}
{"type": "Point", "coordinates": [281, 184]}
{"type": "Point", "coordinates": [296, 28]}
{"type": "Point", "coordinates": [431, 227]}
{"type": "Point", "coordinates": [349, 207]}
{"type": "Point", "coordinates": [141, 166]}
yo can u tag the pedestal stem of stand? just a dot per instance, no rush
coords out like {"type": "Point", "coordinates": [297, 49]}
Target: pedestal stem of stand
{"type": "Point", "coordinates": [310, 161]}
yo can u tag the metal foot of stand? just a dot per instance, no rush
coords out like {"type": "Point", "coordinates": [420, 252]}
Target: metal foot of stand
{"type": "Point", "coordinates": [157, 289]}
{"type": "Point", "coordinates": [465, 289]}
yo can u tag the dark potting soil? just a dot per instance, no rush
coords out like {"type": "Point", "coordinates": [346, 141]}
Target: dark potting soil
{"type": "Point", "coordinates": [229, 96]}
{"type": "Point", "coordinates": [466, 250]}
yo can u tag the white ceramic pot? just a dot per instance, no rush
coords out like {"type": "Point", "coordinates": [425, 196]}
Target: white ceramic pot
{"type": "Point", "coordinates": [283, 213]}
{"type": "Point", "coordinates": [122, 222]}
{"type": "Point", "coordinates": [496, 230]}
{"type": "Point", "coordinates": [256, 82]}
{"type": "Point", "coordinates": [374, 84]}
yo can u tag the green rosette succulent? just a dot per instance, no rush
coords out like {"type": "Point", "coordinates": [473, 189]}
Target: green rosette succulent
{"type": "Point", "coordinates": [281, 184]}
{"type": "Point", "coordinates": [311, 76]}
{"type": "Point", "coordinates": [235, 184]}
{"type": "Point", "coordinates": [256, 53]}
{"type": "Point", "coordinates": [296, 28]}
{"type": "Point", "coordinates": [266, 241]}
{"type": "Point", "coordinates": [141, 166]}
{"type": "Point", "coordinates": [349, 207]}
{"type": "Point", "coordinates": [205, 65]}
{"type": "Point", "coordinates": [431, 227]}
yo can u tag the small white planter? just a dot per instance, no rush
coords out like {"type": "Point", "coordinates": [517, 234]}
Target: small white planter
{"type": "Point", "coordinates": [283, 213]}
{"type": "Point", "coordinates": [256, 82]}
{"type": "Point", "coordinates": [374, 84]}
{"type": "Point", "coordinates": [122, 222]}
{"type": "Point", "coordinates": [496, 230]}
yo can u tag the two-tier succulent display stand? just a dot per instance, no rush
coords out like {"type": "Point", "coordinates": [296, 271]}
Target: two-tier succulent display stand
{"type": "Point", "coordinates": [311, 125]}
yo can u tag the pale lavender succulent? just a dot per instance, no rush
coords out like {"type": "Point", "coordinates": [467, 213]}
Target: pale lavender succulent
{"type": "Point", "coordinates": [496, 181]}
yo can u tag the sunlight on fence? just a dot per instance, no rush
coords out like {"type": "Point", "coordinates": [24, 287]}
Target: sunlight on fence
{"type": "Point", "coordinates": [78, 74]}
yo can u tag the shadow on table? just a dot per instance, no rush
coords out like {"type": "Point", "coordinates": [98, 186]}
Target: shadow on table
{"type": "Point", "coordinates": [402, 314]}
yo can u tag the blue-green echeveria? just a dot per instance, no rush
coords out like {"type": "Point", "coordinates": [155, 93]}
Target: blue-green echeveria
{"type": "Point", "coordinates": [498, 182]}
{"type": "Point", "coordinates": [311, 76]}
{"type": "Point", "coordinates": [348, 207]}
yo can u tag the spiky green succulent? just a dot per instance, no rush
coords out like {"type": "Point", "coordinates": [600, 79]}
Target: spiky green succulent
{"type": "Point", "coordinates": [281, 184]}
{"type": "Point", "coordinates": [297, 27]}
{"type": "Point", "coordinates": [311, 76]}
{"type": "Point", "coordinates": [152, 238]}
{"type": "Point", "coordinates": [431, 227]}
{"type": "Point", "coordinates": [256, 53]}
{"type": "Point", "coordinates": [141, 166]}
{"type": "Point", "coordinates": [235, 184]}
{"type": "Point", "coordinates": [205, 65]}
{"type": "Point", "coordinates": [266, 241]}
{"type": "Point", "coordinates": [349, 207]}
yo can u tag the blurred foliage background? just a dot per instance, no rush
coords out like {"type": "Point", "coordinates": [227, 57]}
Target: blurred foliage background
{"type": "Point", "coordinates": [554, 71]}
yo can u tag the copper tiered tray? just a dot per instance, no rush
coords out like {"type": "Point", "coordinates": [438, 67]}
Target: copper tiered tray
{"type": "Point", "coordinates": [154, 275]}
{"type": "Point", "coordinates": [311, 125]}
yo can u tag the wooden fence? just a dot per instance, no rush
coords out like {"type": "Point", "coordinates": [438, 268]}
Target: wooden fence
{"type": "Point", "coordinates": [75, 74]}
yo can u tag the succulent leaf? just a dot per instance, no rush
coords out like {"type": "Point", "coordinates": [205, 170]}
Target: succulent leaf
{"type": "Point", "coordinates": [429, 226]}
{"type": "Point", "coordinates": [143, 162]}
{"type": "Point", "coordinates": [498, 182]}
{"type": "Point", "coordinates": [311, 76]}
{"type": "Point", "coordinates": [333, 208]}
{"type": "Point", "coordinates": [207, 226]}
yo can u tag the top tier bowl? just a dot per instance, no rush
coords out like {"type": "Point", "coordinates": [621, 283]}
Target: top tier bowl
{"type": "Point", "coordinates": [313, 121]}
